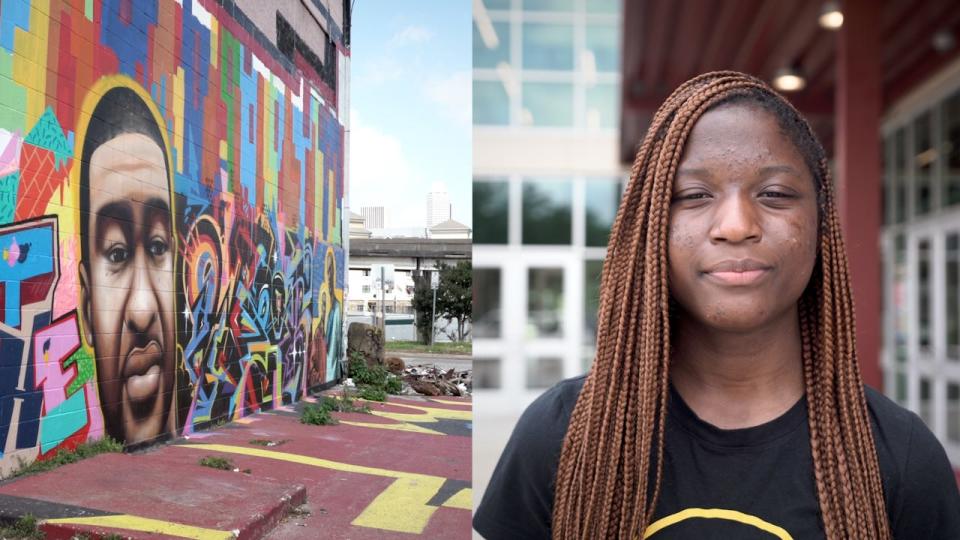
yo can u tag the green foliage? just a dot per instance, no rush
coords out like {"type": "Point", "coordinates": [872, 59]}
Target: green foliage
{"type": "Point", "coordinates": [342, 404]}
{"type": "Point", "coordinates": [372, 393]}
{"type": "Point", "coordinates": [373, 382]}
{"type": "Point", "coordinates": [422, 303]}
{"type": "Point", "coordinates": [455, 295]}
{"type": "Point", "coordinates": [65, 457]}
{"type": "Point", "coordinates": [112, 536]}
{"type": "Point", "coordinates": [217, 462]}
{"type": "Point", "coordinates": [455, 347]}
{"type": "Point", "coordinates": [24, 528]}
{"type": "Point", "coordinates": [317, 416]}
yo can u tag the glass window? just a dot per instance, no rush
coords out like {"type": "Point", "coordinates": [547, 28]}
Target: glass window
{"type": "Point", "coordinates": [953, 296]}
{"type": "Point", "coordinates": [901, 390]}
{"type": "Point", "coordinates": [603, 42]}
{"type": "Point", "coordinates": [486, 302]}
{"type": "Point", "coordinates": [545, 302]}
{"type": "Point", "coordinates": [591, 299]}
{"type": "Point", "coordinates": [900, 296]}
{"type": "Point", "coordinates": [951, 149]}
{"type": "Point", "coordinates": [923, 298]}
{"type": "Point", "coordinates": [547, 104]}
{"type": "Point", "coordinates": [490, 210]}
{"type": "Point", "coordinates": [486, 373]}
{"type": "Point", "coordinates": [924, 156]}
{"type": "Point", "coordinates": [900, 176]}
{"type": "Point", "coordinates": [544, 372]}
{"type": "Point", "coordinates": [953, 412]}
{"type": "Point", "coordinates": [546, 212]}
{"type": "Point", "coordinates": [603, 6]}
{"type": "Point", "coordinates": [603, 200]}
{"type": "Point", "coordinates": [602, 103]}
{"type": "Point", "coordinates": [548, 46]}
{"type": "Point", "coordinates": [548, 5]}
{"type": "Point", "coordinates": [491, 105]}
{"type": "Point", "coordinates": [490, 50]}
{"type": "Point", "coordinates": [497, 4]}
{"type": "Point", "coordinates": [926, 413]}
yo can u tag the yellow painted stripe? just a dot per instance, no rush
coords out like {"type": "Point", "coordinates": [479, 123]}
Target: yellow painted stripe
{"type": "Point", "coordinates": [397, 427]}
{"type": "Point", "coordinates": [402, 507]}
{"type": "Point", "coordinates": [716, 513]}
{"type": "Point", "coordinates": [462, 499]}
{"type": "Point", "coordinates": [451, 402]}
{"type": "Point", "coordinates": [430, 414]}
{"type": "Point", "coordinates": [306, 460]}
{"type": "Point", "coordinates": [142, 524]}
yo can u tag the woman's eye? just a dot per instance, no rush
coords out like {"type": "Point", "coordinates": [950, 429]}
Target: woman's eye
{"type": "Point", "coordinates": [776, 195]}
{"type": "Point", "coordinates": [157, 247]}
{"type": "Point", "coordinates": [691, 196]}
{"type": "Point", "coordinates": [118, 253]}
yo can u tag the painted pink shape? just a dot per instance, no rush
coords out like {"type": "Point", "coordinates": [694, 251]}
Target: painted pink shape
{"type": "Point", "coordinates": [13, 253]}
{"type": "Point", "coordinates": [94, 421]}
{"type": "Point", "coordinates": [51, 346]}
{"type": "Point", "coordinates": [10, 156]}
{"type": "Point", "coordinates": [66, 297]}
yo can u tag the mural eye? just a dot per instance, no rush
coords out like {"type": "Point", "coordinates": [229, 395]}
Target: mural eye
{"type": "Point", "coordinates": [118, 253]}
{"type": "Point", "coordinates": [157, 247]}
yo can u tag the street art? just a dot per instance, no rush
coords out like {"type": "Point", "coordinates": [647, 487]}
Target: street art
{"type": "Point", "coordinates": [171, 189]}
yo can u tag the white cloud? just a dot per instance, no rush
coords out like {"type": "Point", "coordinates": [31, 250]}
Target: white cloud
{"type": "Point", "coordinates": [452, 95]}
{"type": "Point", "coordinates": [380, 174]}
{"type": "Point", "coordinates": [411, 34]}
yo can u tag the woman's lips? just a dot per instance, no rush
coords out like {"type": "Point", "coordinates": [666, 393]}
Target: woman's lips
{"type": "Point", "coordinates": [747, 277]}
{"type": "Point", "coordinates": [141, 372]}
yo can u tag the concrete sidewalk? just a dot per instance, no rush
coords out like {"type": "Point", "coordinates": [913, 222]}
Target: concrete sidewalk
{"type": "Point", "coordinates": [402, 472]}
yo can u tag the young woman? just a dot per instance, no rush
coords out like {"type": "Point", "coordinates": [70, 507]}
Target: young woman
{"type": "Point", "coordinates": [725, 400]}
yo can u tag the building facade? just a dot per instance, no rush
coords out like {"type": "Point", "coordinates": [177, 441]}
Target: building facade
{"type": "Point", "coordinates": [172, 180]}
{"type": "Point", "coordinates": [374, 216]}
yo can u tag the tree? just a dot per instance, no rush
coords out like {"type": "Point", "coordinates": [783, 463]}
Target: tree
{"type": "Point", "coordinates": [422, 306]}
{"type": "Point", "coordinates": [455, 295]}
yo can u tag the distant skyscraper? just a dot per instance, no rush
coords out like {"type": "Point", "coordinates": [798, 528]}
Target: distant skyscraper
{"type": "Point", "coordinates": [373, 216]}
{"type": "Point", "coordinates": [438, 205]}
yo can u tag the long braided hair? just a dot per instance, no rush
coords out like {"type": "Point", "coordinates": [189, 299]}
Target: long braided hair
{"type": "Point", "coordinates": [608, 478]}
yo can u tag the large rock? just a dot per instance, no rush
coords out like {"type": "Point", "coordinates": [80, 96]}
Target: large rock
{"type": "Point", "coordinates": [367, 340]}
{"type": "Point", "coordinates": [395, 365]}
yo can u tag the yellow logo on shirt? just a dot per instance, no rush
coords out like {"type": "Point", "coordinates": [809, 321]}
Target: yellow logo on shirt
{"type": "Point", "coordinates": [716, 513]}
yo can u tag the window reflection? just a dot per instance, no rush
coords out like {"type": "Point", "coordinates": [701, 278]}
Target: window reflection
{"type": "Point", "coordinates": [951, 149]}
{"type": "Point", "coordinates": [547, 104]}
{"type": "Point", "coordinates": [602, 41]}
{"type": "Point", "coordinates": [490, 212]}
{"type": "Point", "coordinates": [603, 200]}
{"type": "Point", "coordinates": [544, 302]}
{"type": "Point", "coordinates": [544, 372]}
{"type": "Point", "coordinates": [490, 103]}
{"type": "Point", "coordinates": [926, 414]}
{"type": "Point", "coordinates": [602, 106]}
{"type": "Point", "coordinates": [591, 299]}
{"type": "Point", "coordinates": [923, 298]}
{"type": "Point", "coordinates": [486, 302]}
{"type": "Point", "coordinates": [953, 296]}
{"type": "Point", "coordinates": [548, 46]}
{"type": "Point", "coordinates": [924, 157]}
{"type": "Point", "coordinates": [486, 373]}
{"type": "Point", "coordinates": [953, 412]}
{"type": "Point", "coordinates": [900, 176]}
{"type": "Point", "coordinates": [489, 55]}
{"type": "Point", "coordinates": [548, 5]}
{"type": "Point", "coordinates": [546, 212]}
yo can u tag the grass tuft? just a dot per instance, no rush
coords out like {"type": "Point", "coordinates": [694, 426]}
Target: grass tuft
{"type": "Point", "coordinates": [217, 462]}
{"type": "Point", "coordinates": [66, 457]}
{"type": "Point", "coordinates": [316, 415]}
{"type": "Point", "coordinates": [26, 528]}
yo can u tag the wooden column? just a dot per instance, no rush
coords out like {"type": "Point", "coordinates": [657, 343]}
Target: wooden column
{"type": "Point", "coordinates": [859, 185]}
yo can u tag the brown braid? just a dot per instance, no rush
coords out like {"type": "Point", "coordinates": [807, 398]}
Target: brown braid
{"type": "Point", "coordinates": [614, 443]}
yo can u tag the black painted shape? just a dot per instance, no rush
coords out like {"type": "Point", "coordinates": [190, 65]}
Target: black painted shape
{"type": "Point", "coordinates": [449, 488]}
{"type": "Point", "coordinates": [289, 41]}
{"type": "Point", "coordinates": [13, 508]}
{"type": "Point", "coordinates": [457, 428]}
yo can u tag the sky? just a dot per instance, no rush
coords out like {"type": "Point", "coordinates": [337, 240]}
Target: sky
{"type": "Point", "coordinates": [410, 105]}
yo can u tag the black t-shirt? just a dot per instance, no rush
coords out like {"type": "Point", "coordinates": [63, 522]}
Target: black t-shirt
{"type": "Point", "coordinates": [743, 483]}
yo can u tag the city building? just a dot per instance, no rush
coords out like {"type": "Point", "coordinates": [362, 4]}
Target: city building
{"type": "Point", "coordinates": [438, 205]}
{"type": "Point", "coordinates": [375, 216]}
{"type": "Point", "coordinates": [449, 229]}
{"type": "Point", "coordinates": [882, 92]}
{"type": "Point", "coordinates": [358, 228]}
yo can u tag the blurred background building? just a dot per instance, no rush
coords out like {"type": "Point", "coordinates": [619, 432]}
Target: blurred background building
{"type": "Point", "coordinates": [563, 91]}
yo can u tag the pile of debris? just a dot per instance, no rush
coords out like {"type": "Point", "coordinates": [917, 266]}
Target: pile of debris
{"type": "Point", "coordinates": [429, 380]}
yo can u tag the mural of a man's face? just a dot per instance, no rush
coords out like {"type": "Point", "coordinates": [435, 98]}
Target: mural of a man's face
{"type": "Point", "coordinates": [127, 285]}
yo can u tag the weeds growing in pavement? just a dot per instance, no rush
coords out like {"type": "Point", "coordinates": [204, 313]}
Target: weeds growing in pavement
{"type": "Point", "coordinates": [373, 382]}
{"type": "Point", "coordinates": [316, 415]}
{"type": "Point", "coordinates": [25, 528]}
{"type": "Point", "coordinates": [217, 462]}
{"type": "Point", "coordinates": [65, 457]}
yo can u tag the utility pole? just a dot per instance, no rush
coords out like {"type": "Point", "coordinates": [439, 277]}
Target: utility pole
{"type": "Point", "coordinates": [383, 306]}
{"type": "Point", "coordinates": [434, 284]}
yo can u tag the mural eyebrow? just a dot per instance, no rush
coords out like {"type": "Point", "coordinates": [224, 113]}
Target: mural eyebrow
{"type": "Point", "coordinates": [116, 210]}
{"type": "Point", "coordinates": [155, 206]}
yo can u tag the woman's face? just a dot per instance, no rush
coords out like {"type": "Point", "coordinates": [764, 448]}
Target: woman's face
{"type": "Point", "coordinates": [743, 221]}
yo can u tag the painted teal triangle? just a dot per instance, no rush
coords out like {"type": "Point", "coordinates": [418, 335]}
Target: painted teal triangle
{"type": "Point", "coordinates": [48, 134]}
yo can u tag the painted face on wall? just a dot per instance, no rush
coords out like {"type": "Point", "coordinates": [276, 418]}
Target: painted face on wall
{"type": "Point", "coordinates": [127, 285]}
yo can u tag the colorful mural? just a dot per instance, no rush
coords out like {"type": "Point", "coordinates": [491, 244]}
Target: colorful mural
{"type": "Point", "coordinates": [171, 187]}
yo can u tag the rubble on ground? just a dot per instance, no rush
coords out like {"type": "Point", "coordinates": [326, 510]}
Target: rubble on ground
{"type": "Point", "coordinates": [429, 380]}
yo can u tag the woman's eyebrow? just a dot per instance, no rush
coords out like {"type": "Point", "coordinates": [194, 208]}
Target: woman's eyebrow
{"type": "Point", "coordinates": [771, 170]}
{"type": "Point", "coordinates": [696, 172]}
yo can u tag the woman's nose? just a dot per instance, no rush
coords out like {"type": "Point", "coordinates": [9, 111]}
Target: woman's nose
{"type": "Point", "coordinates": [736, 221]}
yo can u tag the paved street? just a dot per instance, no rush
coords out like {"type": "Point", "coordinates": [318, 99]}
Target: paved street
{"type": "Point", "coordinates": [402, 472]}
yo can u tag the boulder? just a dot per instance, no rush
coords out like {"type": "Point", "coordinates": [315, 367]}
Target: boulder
{"type": "Point", "coordinates": [395, 365]}
{"type": "Point", "coordinates": [367, 340]}
{"type": "Point", "coordinates": [426, 388]}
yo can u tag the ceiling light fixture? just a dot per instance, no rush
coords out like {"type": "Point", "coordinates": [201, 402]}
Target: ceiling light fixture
{"type": "Point", "coordinates": [788, 79]}
{"type": "Point", "coordinates": [831, 17]}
